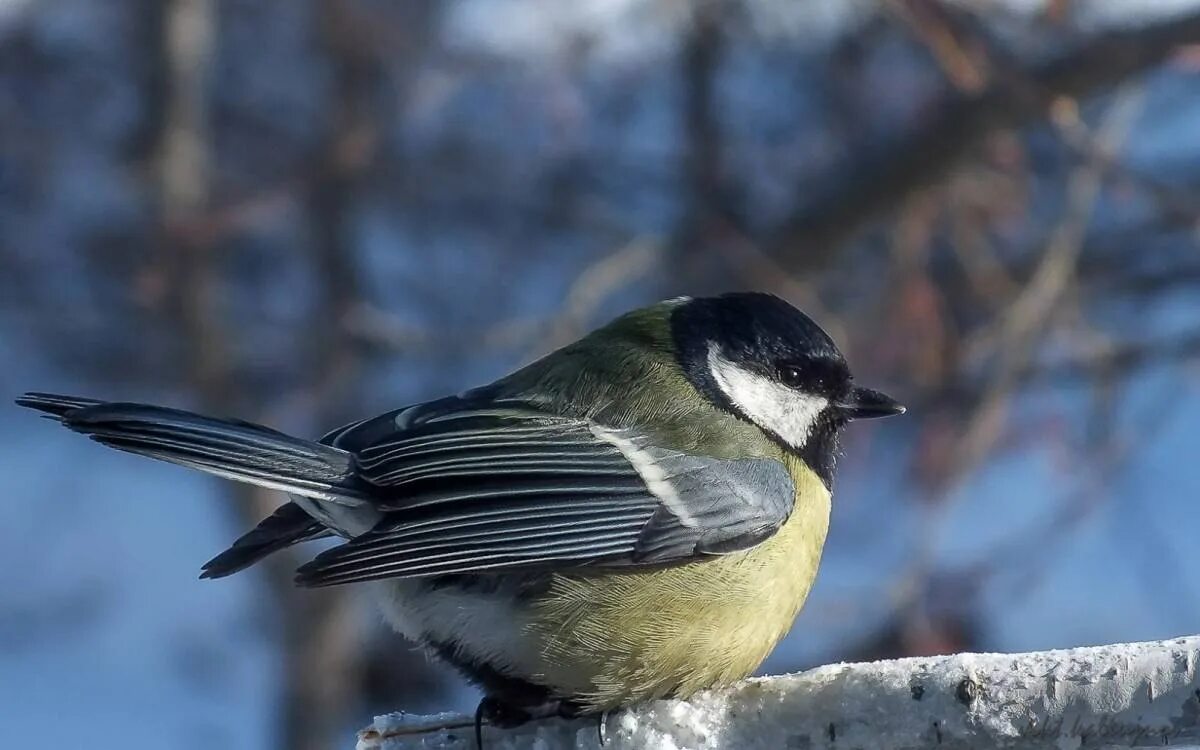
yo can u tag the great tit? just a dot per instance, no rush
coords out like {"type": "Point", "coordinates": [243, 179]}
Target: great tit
{"type": "Point", "coordinates": [637, 515]}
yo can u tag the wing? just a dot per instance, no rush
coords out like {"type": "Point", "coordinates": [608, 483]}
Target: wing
{"type": "Point", "coordinates": [504, 488]}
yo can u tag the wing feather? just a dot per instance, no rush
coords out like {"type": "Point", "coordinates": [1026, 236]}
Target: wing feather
{"type": "Point", "coordinates": [499, 489]}
{"type": "Point", "coordinates": [581, 527]}
{"type": "Point", "coordinates": [499, 556]}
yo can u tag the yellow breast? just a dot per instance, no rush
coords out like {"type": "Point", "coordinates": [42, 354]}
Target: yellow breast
{"type": "Point", "coordinates": [608, 641]}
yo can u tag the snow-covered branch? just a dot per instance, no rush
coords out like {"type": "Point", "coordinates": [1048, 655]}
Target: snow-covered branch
{"type": "Point", "coordinates": [1125, 695]}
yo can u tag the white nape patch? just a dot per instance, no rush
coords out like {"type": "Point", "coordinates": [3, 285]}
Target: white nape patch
{"type": "Point", "coordinates": [788, 413]}
{"type": "Point", "coordinates": [652, 474]}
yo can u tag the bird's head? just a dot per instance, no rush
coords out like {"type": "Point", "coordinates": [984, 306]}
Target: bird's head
{"type": "Point", "coordinates": [762, 359]}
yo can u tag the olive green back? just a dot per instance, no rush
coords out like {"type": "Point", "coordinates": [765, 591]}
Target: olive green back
{"type": "Point", "coordinates": [626, 374]}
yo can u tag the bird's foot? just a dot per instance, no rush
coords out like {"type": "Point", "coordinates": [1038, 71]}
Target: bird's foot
{"type": "Point", "coordinates": [497, 713]}
{"type": "Point", "coordinates": [500, 714]}
{"type": "Point", "coordinates": [602, 728]}
{"type": "Point", "coordinates": [570, 710]}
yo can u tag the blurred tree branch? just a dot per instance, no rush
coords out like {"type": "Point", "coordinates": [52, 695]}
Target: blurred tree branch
{"type": "Point", "coordinates": [329, 654]}
{"type": "Point", "coordinates": [324, 661]}
{"type": "Point", "coordinates": [884, 176]}
{"type": "Point", "coordinates": [698, 227]}
{"type": "Point", "coordinates": [324, 678]}
{"type": "Point", "coordinates": [1015, 335]}
{"type": "Point", "coordinates": [1117, 361]}
{"type": "Point", "coordinates": [957, 50]}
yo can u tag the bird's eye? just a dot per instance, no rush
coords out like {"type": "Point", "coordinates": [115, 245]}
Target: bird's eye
{"type": "Point", "coordinates": [791, 375]}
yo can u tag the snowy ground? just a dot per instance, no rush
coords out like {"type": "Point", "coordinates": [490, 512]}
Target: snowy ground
{"type": "Point", "coordinates": [1129, 695]}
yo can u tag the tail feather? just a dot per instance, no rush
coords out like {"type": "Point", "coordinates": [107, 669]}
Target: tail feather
{"type": "Point", "coordinates": [53, 404]}
{"type": "Point", "coordinates": [288, 525]}
{"type": "Point", "coordinates": [228, 448]}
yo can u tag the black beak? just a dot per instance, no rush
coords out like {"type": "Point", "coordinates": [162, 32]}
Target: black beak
{"type": "Point", "coordinates": [864, 403]}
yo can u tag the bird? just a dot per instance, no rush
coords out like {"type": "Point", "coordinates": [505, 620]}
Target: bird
{"type": "Point", "coordinates": [637, 515]}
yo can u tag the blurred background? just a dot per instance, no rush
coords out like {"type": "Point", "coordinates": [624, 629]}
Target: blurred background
{"type": "Point", "coordinates": [304, 212]}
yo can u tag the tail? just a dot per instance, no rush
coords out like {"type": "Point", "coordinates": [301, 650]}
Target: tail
{"type": "Point", "coordinates": [288, 525]}
{"type": "Point", "coordinates": [227, 448]}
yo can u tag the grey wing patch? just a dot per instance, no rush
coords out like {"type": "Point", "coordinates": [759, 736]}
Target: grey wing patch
{"type": "Point", "coordinates": [707, 505]}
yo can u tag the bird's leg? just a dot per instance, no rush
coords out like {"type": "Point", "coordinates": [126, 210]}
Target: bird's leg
{"type": "Point", "coordinates": [497, 714]}
{"type": "Point", "coordinates": [479, 711]}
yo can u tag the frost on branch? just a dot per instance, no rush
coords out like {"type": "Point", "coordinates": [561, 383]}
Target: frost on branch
{"type": "Point", "coordinates": [1125, 695]}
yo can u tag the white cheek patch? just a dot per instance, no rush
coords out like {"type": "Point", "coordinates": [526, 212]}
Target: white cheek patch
{"type": "Point", "coordinates": [772, 406]}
